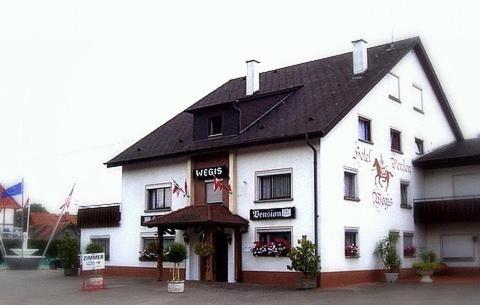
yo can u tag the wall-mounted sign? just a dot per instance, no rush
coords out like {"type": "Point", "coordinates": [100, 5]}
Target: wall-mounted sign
{"type": "Point", "coordinates": [211, 172]}
{"type": "Point", "coordinates": [144, 219]}
{"type": "Point", "coordinates": [93, 261]}
{"type": "Point", "coordinates": [278, 213]}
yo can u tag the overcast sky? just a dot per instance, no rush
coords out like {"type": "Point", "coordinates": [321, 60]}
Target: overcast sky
{"type": "Point", "coordinates": [82, 80]}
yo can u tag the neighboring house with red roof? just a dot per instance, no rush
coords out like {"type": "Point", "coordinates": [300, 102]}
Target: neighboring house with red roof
{"type": "Point", "coordinates": [8, 207]}
{"type": "Point", "coordinates": [42, 225]}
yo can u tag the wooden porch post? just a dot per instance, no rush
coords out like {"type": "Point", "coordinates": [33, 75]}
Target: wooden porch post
{"type": "Point", "coordinates": [238, 256]}
{"type": "Point", "coordinates": [209, 259]}
{"type": "Point", "coordinates": [160, 254]}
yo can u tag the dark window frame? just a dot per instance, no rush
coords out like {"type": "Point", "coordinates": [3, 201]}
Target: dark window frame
{"type": "Point", "coordinates": [154, 205]}
{"type": "Point", "coordinates": [105, 246]}
{"type": "Point", "coordinates": [354, 181]}
{"type": "Point", "coordinates": [368, 124]}
{"type": "Point", "coordinates": [271, 196]}
{"type": "Point", "coordinates": [420, 148]}
{"type": "Point", "coordinates": [209, 184]}
{"type": "Point", "coordinates": [393, 145]}
{"type": "Point", "coordinates": [215, 125]}
{"type": "Point", "coordinates": [404, 194]}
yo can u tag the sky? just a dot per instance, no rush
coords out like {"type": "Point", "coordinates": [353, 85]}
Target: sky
{"type": "Point", "coordinates": [80, 81]}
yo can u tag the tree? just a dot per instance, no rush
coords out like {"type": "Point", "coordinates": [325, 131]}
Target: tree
{"type": "Point", "coordinates": [37, 208]}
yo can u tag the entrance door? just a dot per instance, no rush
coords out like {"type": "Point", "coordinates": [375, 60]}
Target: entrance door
{"type": "Point", "coordinates": [221, 258]}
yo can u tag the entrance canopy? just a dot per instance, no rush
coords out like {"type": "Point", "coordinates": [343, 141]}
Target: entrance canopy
{"type": "Point", "coordinates": [198, 215]}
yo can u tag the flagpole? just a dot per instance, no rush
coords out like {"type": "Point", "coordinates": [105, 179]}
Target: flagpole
{"type": "Point", "coordinates": [28, 218]}
{"type": "Point", "coordinates": [23, 233]}
{"type": "Point", "coordinates": [56, 225]}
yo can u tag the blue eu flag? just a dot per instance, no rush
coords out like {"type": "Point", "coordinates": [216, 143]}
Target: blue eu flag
{"type": "Point", "coordinates": [17, 189]}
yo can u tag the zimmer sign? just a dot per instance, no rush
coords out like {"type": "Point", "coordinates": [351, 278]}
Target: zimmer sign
{"type": "Point", "coordinates": [93, 261]}
{"type": "Point", "coordinates": [279, 213]}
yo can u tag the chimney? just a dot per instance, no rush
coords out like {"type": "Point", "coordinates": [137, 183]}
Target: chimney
{"type": "Point", "coordinates": [253, 77]}
{"type": "Point", "coordinates": [360, 62]}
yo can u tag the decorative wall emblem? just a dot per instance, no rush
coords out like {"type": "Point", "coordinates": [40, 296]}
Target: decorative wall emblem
{"type": "Point", "coordinates": [383, 174]}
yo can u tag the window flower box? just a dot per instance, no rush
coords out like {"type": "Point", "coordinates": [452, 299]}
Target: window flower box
{"type": "Point", "coordinates": [276, 248]}
{"type": "Point", "coordinates": [147, 256]}
{"type": "Point", "coordinates": [409, 251]}
{"type": "Point", "coordinates": [352, 251]}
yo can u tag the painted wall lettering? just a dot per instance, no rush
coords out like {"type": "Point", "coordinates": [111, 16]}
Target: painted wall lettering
{"type": "Point", "coordinates": [400, 165]}
{"type": "Point", "coordinates": [362, 154]}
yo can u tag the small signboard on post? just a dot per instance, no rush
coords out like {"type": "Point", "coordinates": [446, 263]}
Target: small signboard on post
{"type": "Point", "coordinates": [93, 265]}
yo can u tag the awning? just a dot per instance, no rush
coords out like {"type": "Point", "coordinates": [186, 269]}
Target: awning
{"type": "Point", "coordinates": [447, 210]}
{"type": "Point", "coordinates": [198, 215]}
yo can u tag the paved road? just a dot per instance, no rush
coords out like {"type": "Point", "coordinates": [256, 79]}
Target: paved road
{"type": "Point", "coordinates": [48, 287]}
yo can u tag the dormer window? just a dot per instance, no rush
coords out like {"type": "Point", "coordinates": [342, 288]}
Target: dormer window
{"type": "Point", "coordinates": [215, 126]}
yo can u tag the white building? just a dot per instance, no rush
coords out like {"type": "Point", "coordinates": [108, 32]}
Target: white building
{"type": "Point", "coordinates": [322, 149]}
{"type": "Point", "coordinates": [8, 208]}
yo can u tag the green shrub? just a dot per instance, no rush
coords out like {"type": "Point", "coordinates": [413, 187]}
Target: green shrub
{"type": "Point", "coordinates": [176, 253]}
{"type": "Point", "coordinates": [428, 261]}
{"type": "Point", "coordinates": [94, 248]}
{"type": "Point", "coordinates": [68, 250]}
{"type": "Point", "coordinates": [303, 257]}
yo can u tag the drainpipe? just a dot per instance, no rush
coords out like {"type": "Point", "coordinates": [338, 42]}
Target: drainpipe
{"type": "Point", "coordinates": [315, 191]}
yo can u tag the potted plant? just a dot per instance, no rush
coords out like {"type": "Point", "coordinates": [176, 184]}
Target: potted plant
{"type": "Point", "coordinates": [387, 251]}
{"type": "Point", "coordinates": [203, 249]}
{"type": "Point", "coordinates": [427, 266]}
{"type": "Point", "coordinates": [176, 253]}
{"type": "Point", "coordinates": [68, 250]}
{"type": "Point", "coordinates": [304, 260]}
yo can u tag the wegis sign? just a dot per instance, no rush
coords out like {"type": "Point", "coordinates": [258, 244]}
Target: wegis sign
{"type": "Point", "coordinates": [211, 172]}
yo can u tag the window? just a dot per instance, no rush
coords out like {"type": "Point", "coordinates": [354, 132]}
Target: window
{"type": "Point", "coordinates": [215, 126]}
{"type": "Point", "coordinates": [409, 249]}
{"type": "Point", "coordinates": [417, 96]}
{"type": "Point", "coordinates": [395, 142]}
{"type": "Point", "coordinates": [274, 186]}
{"type": "Point", "coordinates": [267, 237]}
{"type": "Point", "coordinates": [404, 194]}
{"type": "Point", "coordinates": [211, 195]}
{"type": "Point", "coordinates": [105, 243]}
{"type": "Point", "coordinates": [350, 185]}
{"type": "Point", "coordinates": [159, 198]}
{"type": "Point", "coordinates": [148, 241]}
{"type": "Point", "coordinates": [393, 87]}
{"type": "Point", "coordinates": [273, 242]}
{"type": "Point", "coordinates": [364, 130]}
{"type": "Point", "coordinates": [419, 147]}
{"type": "Point", "coordinates": [351, 243]}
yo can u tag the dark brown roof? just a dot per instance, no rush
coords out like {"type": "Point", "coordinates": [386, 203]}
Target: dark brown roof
{"type": "Point", "coordinates": [197, 215]}
{"type": "Point", "coordinates": [459, 153]}
{"type": "Point", "coordinates": [323, 92]}
{"type": "Point", "coordinates": [9, 202]}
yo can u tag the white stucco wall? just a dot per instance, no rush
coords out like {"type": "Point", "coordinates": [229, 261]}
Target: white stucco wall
{"type": "Point", "coordinates": [126, 240]}
{"type": "Point", "coordinates": [338, 151]}
{"type": "Point", "coordinates": [440, 182]}
{"type": "Point", "coordinates": [470, 230]}
{"type": "Point", "coordinates": [297, 156]}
